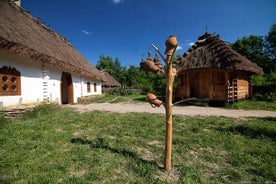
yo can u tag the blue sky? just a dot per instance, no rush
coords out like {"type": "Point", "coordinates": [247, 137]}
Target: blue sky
{"type": "Point", "coordinates": [125, 29]}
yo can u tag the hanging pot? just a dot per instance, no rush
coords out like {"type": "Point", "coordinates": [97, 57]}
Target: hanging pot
{"type": "Point", "coordinates": [149, 65]}
{"type": "Point", "coordinates": [171, 44]}
{"type": "Point", "coordinates": [152, 99]}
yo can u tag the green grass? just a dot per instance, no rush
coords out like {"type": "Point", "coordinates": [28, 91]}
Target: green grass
{"type": "Point", "coordinates": [58, 145]}
{"type": "Point", "coordinates": [253, 105]}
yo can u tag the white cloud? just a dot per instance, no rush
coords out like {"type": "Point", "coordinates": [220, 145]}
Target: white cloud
{"type": "Point", "coordinates": [189, 43]}
{"type": "Point", "coordinates": [117, 1]}
{"type": "Point", "coordinates": [179, 48]}
{"type": "Point", "coordinates": [86, 32]}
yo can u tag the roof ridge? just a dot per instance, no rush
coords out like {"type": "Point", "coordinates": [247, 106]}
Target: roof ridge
{"type": "Point", "coordinates": [211, 51]}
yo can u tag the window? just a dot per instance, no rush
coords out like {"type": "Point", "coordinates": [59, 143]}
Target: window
{"type": "Point", "coordinates": [95, 87]}
{"type": "Point", "coordinates": [10, 81]}
{"type": "Point", "coordinates": [88, 87]}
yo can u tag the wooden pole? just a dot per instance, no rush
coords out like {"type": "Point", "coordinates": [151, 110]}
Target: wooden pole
{"type": "Point", "coordinates": [168, 138]}
{"type": "Point", "coordinates": [171, 45]}
{"type": "Point", "coordinates": [169, 92]}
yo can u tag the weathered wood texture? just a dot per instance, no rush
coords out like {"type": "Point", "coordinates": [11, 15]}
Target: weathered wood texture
{"type": "Point", "coordinates": [212, 70]}
{"type": "Point", "coordinates": [213, 84]}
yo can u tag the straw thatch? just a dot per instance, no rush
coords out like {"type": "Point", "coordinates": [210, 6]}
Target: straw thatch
{"type": "Point", "coordinates": [109, 80]}
{"type": "Point", "coordinates": [27, 36]}
{"type": "Point", "coordinates": [211, 52]}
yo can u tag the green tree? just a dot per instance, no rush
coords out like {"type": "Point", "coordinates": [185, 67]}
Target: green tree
{"type": "Point", "coordinates": [117, 65]}
{"type": "Point", "coordinates": [259, 49]}
{"type": "Point", "coordinates": [271, 46]}
{"type": "Point", "coordinates": [262, 50]}
{"type": "Point", "coordinates": [132, 77]}
{"type": "Point", "coordinates": [114, 68]}
{"type": "Point", "coordinates": [138, 79]}
{"type": "Point", "coordinates": [106, 63]}
{"type": "Point", "coordinates": [253, 47]}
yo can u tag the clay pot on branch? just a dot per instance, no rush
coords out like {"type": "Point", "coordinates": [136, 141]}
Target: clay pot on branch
{"type": "Point", "coordinates": [152, 99]}
{"type": "Point", "coordinates": [171, 44]}
{"type": "Point", "coordinates": [149, 65]}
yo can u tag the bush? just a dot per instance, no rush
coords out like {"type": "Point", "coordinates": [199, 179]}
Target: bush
{"type": "Point", "coordinates": [264, 87]}
{"type": "Point", "coordinates": [268, 96]}
{"type": "Point", "coordinates": [124, 92]}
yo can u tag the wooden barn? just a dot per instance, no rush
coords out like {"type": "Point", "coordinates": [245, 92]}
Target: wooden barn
{"type": "Point", "coordinates": [211, 70]}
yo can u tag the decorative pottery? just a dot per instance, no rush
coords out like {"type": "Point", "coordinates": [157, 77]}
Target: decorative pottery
{"type": "Point", "coordinates": [149, 65]}
{"type": "Point", "coordinates": [171, 44]}
{"type": "Point", "coordinates": [152, 99]}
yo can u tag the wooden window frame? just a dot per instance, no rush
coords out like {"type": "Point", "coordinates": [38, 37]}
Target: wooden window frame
{"type": "Point", "coordinates": [88, 87]}
{"type": "Point", "coordinates": [95, 87]}
{"type": "Point", "coordinates": [10, 81]}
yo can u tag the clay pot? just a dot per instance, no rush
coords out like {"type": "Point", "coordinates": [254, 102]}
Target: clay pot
{"type": "Point", "coordinates": [149, 65]}
{"type": "Point", "coordinates": [152, 99]}
{"type": "Point", "coordinates": [171, 44]}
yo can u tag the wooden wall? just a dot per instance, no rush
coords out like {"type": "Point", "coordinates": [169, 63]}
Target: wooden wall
{"type": "Point", "coordinates": [219, 85]}
{"type": "Point", "coordinates": [204, 80]}
{"type": "Point", "coordinates": [243, 84]}
{"type": "Point", "coordinates": [213, 84]}
{"type": "Point", "coordinates": [204, 84]}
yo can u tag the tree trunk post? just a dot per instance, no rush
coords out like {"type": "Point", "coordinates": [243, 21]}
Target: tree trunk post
{"type": "Point", "coordinates": [171, 45]}
{"type": "Point", "coordinates": [168, 138]}
{"type": "Point", "coordinates": [170, 49]}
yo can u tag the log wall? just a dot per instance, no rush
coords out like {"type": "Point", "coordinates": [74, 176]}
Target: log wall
{"type": "Point", "coordinates": [214, 84]}
{"type": "Point", "coordinates": [243, 86]}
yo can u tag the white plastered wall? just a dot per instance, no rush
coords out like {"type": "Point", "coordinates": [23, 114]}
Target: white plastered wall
{"type": "Point", "coordinates": [31, 90]}
{"type": "Point", "coordinates": [34, 75]}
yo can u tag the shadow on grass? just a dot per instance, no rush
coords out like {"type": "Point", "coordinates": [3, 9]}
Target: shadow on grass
{"type": "Point", "coordinates": [252, 132]}
{"type": "Point", "coordinates": [143, 99]}
{"type": "Point", "coordinates": [103, 144]}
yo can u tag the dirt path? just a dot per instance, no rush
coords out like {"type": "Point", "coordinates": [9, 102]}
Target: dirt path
{"type": "Point", "coordinates": [177, 110]}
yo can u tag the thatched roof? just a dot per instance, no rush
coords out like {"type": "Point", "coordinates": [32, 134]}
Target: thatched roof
{"type": "Point", "coordinates": [27, 36]}
{"type": "Point", "coordinates": [109, 80]}
{"type": "Point", "coordinates": [211, 52]}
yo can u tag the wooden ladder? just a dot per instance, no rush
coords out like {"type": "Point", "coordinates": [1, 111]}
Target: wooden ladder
{"type": "Point", "coordinates": [235, 89]}
{"type": "Point", "coordinates": [45, 79]}
{"type": "Point", "coordinates": [232, 91]}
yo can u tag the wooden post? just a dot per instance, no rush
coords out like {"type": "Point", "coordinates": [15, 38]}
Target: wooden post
{"type": "Point", "coordinates": [171, 45]}
{"type": "Point", "coordinates": [168, 138]}
{"type": "Point", "coordinates": [169, 92]}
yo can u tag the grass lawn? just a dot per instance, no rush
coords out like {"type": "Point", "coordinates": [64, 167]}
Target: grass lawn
{"type": "Point", "coordinates": [253, 105]}
{"type": "Point", "coordinates": [58, 145]}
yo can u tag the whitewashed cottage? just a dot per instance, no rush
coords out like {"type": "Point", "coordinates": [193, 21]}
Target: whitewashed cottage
{"type": "Point", "coordinates": [37, 64]}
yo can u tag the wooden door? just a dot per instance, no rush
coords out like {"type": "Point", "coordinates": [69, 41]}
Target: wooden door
{"type": "Point", "coordinates": [66, 88]}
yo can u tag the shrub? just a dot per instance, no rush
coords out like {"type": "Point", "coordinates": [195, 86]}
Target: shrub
{"type": "Point", "coordinates": [264, 87]}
